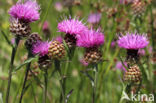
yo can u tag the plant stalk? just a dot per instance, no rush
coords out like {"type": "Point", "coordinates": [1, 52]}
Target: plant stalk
{"type": "Point", "coordinates": [14, 49]}
{"type": "Point", "coordinates": [57, 67]}
{"type": "Point", "coordinates": [45, 86]}
{"type": "Point", "coordinates": [95, 84]}
{"type": "Point", "coordinates": [25, 79]}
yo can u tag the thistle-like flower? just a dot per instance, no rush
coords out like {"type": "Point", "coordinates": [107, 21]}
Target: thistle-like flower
{"type": "Point", "coordinates": [56, 50]}
{"type": "Point", "coordinates": [91, 40]}
{"type": "Point", "coordinates": [133, 42]}
{"type": "Point", "coordinates": [44, 62]}
{"type": "Point", "coordinates": [41, 48]}
{"type": "Point", "coordinates": [32, 40]}
{"type": "Point", "coordinates": [27, 11]}
{"type": "Point", "coordinates": [19, 28]}
{"type": "Point", "coordinates": [72, 28]}
{"type": "Point", "coordinates": [133, 74]}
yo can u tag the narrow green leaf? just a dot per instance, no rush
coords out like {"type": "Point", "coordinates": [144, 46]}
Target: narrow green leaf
{"type": "Point", "coordinates": [25, 62]}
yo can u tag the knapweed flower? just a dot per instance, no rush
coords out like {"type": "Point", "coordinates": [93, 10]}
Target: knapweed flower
{"type": "Point", "coordinates": [44, 62]}
{"type": "Point", "coordinates": [72, 28]}
{"type": "Point", "coordinates": [19, 28]}
{"type": "Point", "coordinates": [32, 40]}
{"type": "Point", "coordinates": [94, 18]}
{"type": "Point", "coordinates": [56, 50]}
{"type": "Point", "coordinates": [133, 41]}
{"type": "Point", "coordinates": [133, 74]}
{"type": "Point", "coordinates": [120, 66]}
{"type": "Point", "coordinates": [90, 39]}
{"type": "Point", "coordinates": [27, 11]}
{"type": "Point", "coordinates": [41, 48]}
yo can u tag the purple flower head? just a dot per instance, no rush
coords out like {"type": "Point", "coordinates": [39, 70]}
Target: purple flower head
{"type": "Point", "coordinates": [120, 66]}
{"type": "Point", "coordinates": [28, 11]}
{"type": "Point", "coordinates": [71, 26]}
{"type": "Point", "coordinates": [41, 48]}
{"type": "Point", "coordinates": [59, 38]}
{"type": "Point", "coordinates": [94, 18]}
{"type": "Point", "coordinates": [133, 41]}
{"type": "Point", "coordinates": [90, 38]}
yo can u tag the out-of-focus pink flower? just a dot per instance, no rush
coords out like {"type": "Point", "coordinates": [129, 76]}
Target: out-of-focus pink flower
{"type": "Point", "coordinates": [141, 52]}
{"type": "Point", "coordinates": [58, 6]}
{"type": "Point", "coordinates": [126, 1]}
{"type": "Point", "coordinates": [41, 48]}
{"type": "Point", "coordinates": [133, 41]}
{"type": "Point", "coordinates": [45, 25]}
{"type": "Point", "coordinates": [59, 38]}
{"type": "Point", "coordinates": [71, 26]}
{"type": "Point", "coordinates": [83, 62]}
{"type": "Point", "coordinates": [13, 40]}
{"type": "Point", "coordinates": [90, 38]}
{"type": "Point", "coordinates": [120, 66]}
{"type": "Point", "coordinates": [27, 11]}
{"type": "Point", "coordinates": [94, 18]}
{"type": "Point", "coordinates": [113, 43]}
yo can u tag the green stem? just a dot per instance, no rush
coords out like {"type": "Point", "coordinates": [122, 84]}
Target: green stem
{"type": "Point", "coordinates": [95, 83]}
{"type": "Point", "coordinates": [25, 79]}
{"type": "Point", "coordinates": [57, 67]}
{"type": "Point", "coordinates": [45, 86]}
{"type": "Point", "coordinates": [14, 49]}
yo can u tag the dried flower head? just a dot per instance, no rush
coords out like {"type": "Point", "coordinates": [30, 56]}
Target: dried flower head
{"type": "Point", "coordinates": [133, 41]}
{"type": "Point", "coordinates": [71, 26]}
{"type": "Point", "coordinates": [90, 39]}
{"type": "Point", "coordinates": [27, 11]}
{"type": "Point", "coordinates": [40, 48]}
